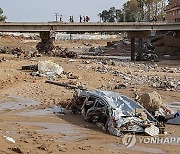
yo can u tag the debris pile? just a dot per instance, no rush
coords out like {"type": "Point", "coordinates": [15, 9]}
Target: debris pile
{"type": "Point", "coordinates": [45, 47]}
{"type": "Point", "coordinates": [69, 75]}
{"type": "Point", "coordinates": [67, 54]}
{"type": "Point", "coordinates": [147, 54]}
{"type": "Point", "coordinates": [165, 83]}
{"type": "Point", "coordinates": [55, 51]}
{"type": "Point", "coordinates": [96, 51]}
{"type": "Point", "coordinates": [18, 52]}
{"type": "Point", "coordinates": [162, 82]}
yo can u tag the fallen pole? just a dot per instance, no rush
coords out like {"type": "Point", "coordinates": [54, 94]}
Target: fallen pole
{"type": "Point", "coordinates": [62, 84]}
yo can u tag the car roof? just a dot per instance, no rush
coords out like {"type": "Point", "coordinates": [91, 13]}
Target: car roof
{"type": "Point", "coordinates": [105, 95]}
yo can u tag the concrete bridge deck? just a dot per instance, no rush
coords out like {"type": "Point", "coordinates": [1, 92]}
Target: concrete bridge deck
{"type": "Point", "coordinates": [87, 27]}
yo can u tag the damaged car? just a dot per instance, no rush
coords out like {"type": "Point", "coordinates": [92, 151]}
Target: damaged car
{"type": "Point", "coordinates": [116, 113]}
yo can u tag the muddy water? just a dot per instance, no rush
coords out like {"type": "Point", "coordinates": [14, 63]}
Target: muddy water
{"type": "Point", "coordinates": [16, 103]}
{"type": "Point", "coordinates": [66, 131]}
{"type": "Point", "coordinates": [42, 112]}
{"type": "Point", "coordinates": [69, 131]}
{"type": "Point", "coordinates": [20, 107]}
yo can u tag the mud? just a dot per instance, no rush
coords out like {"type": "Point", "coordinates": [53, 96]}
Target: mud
{"type": "Point", "coordinates": [31, 109]}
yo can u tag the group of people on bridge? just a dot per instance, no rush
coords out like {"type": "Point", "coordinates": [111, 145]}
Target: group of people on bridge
{"type": "Point", "coordinates": [81, 19]}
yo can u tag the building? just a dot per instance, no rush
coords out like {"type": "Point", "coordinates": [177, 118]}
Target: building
{"type": "Point", "coordinates": [173, 11]}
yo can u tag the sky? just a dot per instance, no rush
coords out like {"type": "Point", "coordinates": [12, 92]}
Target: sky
{"type": "Point", "coordinates": [44, 10]}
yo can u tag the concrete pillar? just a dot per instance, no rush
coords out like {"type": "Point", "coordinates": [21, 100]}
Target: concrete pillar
{"type": "Point", "coordinates": [132, 49]}
{"type": "Point", "coordinates": [148, 40]}
{"type": "Point", "coordinates": [46, 44]}
{"type": "Point", "coordinates": [140, 45]}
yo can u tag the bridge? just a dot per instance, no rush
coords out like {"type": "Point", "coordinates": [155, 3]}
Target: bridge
{"type": "Point", "coordinates": [87, 27]}
{"type": "Point", "coordinates": [47, 29]}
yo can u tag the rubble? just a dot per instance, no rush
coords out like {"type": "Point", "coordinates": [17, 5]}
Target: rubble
{"type": "Point", "coordinates": [18, 52]}
{"type": "Point", "coordinates": [117, 113]}
{"type": "Point", "coordinates": [96, 51]}
{"type": "Point", "coordinates": [67, 54]}
{"type": "Point", "coordinates": [147, 54]}
{"type": "Point", "coordinates": [165, 83]}
{"type": "Point", "coordinates": [54, 51]}
{"type": "Point", "coordinates": [16, 150]}
{"type": "Point", "coordinates": [45, 46]}
{"type": "Point", "coordinates": [120, 86]}
{"type": "Point", "coordinates": [69, 75]}
{"type": "Point", "coordinates": [162, 82]}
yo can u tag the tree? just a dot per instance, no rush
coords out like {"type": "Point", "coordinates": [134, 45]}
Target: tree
{"type": "Point", "coordinates": [130, 11]}
{"type": "Point", "coordinates": [119, 15]}
{"type": "Point", "coordinates": [2, 17]}
{"type": "Point", "coordinates": [135, 10]}
{"type": "Point", "coordinates": [144, 10]}
{"type": "Point", "coordinates": [108, 15]}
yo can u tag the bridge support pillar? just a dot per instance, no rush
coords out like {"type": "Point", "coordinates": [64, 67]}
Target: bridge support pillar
{"type": "Point", "coordinates": [140, 44]}
{"type": "Point", "coordinates": [132, 49]}
{"type": "Point", "coordinates": [139, 35]}
{"type": "Point", "coordinates": [46, 44]}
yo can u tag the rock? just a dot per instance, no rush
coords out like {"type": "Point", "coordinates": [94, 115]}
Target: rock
{"type": "Point", "coordinates": [114, 63]}
{"type": "Point", "coordinates": [68, 54]}
{"type": "Point", "coordinates": [16, 150]}
{"type": "Point", "coordinates": [120, 86]}
{"type": "Point", "coordinates": [151, 101]}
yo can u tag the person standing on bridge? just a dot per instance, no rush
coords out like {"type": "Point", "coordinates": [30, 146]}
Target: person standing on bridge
{"type": "Point", "coordinates": [60, 19]}
{"type": "Point", "coordinates": [84, 19]}
{"type": "Point", "coordinates": [80, 18]}
{"type": "Point", "coordinates": [87, 19]}
{"type": "Point", "coordinates": [72, 18]}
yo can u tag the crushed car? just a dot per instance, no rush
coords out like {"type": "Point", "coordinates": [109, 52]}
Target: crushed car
{"type": "Point", "coordinates": [116, 113]}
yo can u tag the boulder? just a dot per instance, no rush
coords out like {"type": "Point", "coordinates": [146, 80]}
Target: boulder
{"type": "Point", "coordinates": [151, 101]}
